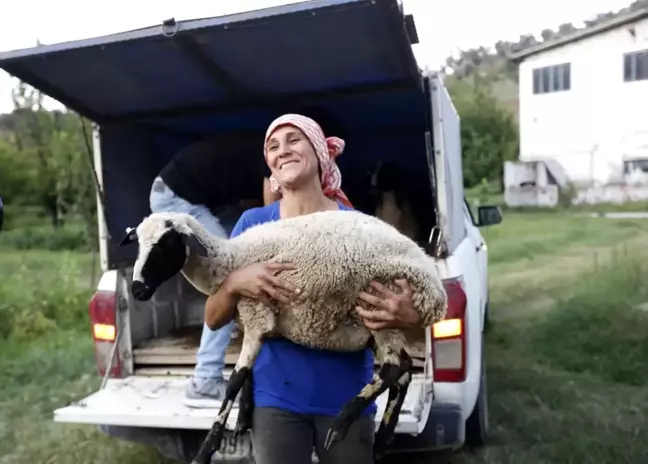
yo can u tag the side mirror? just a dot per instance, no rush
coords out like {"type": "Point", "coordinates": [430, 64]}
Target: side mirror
{"type": "Point", "coordinates": [489, 216]}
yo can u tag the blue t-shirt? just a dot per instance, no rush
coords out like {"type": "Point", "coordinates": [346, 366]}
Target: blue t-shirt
{"type": "Point", "coordinates": [302, 380]}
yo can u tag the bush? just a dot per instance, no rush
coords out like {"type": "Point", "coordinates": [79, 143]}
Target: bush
{"type": "Point", "coordinates": [18, 216]}
{"type": "Point", "coordinates": [27, 227]}
{"type": "Point", "coordinates": [489, 133]}
{"type": "Point", "coordinates": [601, 328]}
{"type": "Point", "coordinates": [30, 307]}
{"type": "Point", "coordinates": [33, 237]}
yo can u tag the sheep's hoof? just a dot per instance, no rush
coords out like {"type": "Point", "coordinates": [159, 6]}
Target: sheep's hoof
{"type": "Point", "coordinates": [336, 433]}
{"type": "Point", "coordinates": [210, 445]}
{"type": "Point", "coordinates": [242, 426]}
{"type": "Point", "coordinates": [380, 447]}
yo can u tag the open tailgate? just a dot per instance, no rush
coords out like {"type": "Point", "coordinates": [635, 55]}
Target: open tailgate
{"type": "Point", "coordinates": [139, 401]}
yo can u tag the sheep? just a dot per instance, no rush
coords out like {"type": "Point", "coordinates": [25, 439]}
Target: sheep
{"type": "Point", "coordinates": [329, 275]}
{"type": "Point", "coordinates": [390, 187]}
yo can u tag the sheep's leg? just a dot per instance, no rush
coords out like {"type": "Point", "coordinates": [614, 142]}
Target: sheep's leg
{"type": "Point", "coordinates": [351, 412]}
{"type": "Point", "coordinates": [249, 350]}
{"type": "Point", "coordinates": [393, 367]}
{"type": "Point", "coordinates": [246, 407]}
{"type": "Point", "coordinates": [397, 394]}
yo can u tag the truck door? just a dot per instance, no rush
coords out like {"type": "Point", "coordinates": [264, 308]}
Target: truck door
{"type": "Point", "coordinates": [481, 259]}
{"type": "Point", "coordinates": [448, 175]}
{"type": "Point", "coordinates": [448, 168]}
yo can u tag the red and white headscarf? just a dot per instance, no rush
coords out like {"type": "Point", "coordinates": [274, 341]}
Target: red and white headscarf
{"type": "Point", "coordinates": [326, 150]}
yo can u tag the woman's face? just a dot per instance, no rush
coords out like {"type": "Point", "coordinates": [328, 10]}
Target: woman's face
{"type": "Point", "coordinates": [291, 157]}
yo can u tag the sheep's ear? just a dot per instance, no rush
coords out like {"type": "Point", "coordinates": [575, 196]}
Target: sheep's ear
{"type": "Point", "coordinates": [130, 237]}
{"type": "Point", "coordinates": [194, 245]}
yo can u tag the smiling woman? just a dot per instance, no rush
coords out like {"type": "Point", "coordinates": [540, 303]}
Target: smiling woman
{"type": "Point", "coordinates": [295, 397]}
{"type": "Point", "coordinates": [286, 423]}
{"type": "Point", "coordinates": [296, 150]}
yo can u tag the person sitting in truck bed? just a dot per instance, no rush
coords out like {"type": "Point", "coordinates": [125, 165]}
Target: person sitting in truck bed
{"type": "Point", "coordinates": [298, 391]}
{"type": "Point", "coordinates": [197, 181]}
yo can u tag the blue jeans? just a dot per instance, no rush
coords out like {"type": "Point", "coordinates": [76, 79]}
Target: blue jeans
{"type": "Point", "coordinates": [213, 344]}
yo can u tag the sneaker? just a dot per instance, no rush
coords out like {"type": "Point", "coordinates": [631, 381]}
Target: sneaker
{"type": "Point", "coordinates": [206, 393]}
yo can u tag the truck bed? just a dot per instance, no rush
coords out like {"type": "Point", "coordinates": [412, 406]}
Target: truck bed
{"type": "Point", "coordinates": [178, 350]}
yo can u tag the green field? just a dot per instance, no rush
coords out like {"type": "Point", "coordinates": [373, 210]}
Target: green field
{"type": "Point", "coordinates": [567, 350]}
{"type": "Point", "coordinates": [567, 353]}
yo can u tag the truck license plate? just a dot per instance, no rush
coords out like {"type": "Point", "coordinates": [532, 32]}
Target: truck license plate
{"type": "Point", "coordinates": [234, 448]}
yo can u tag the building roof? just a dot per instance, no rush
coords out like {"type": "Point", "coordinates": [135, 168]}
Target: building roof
{"type": "Point", "coordinates": [585, 33]}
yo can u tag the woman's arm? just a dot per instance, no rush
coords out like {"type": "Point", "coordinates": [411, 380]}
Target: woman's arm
{"type": "Point", "coordinates": [258, 281]}
{"type": "Point", "coordinates": [220, 307]}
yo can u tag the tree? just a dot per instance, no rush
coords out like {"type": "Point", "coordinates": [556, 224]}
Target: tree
{"type": "Point", "coordinates": [14, 178]}
{"type": "Point", "coordinates": [489, 134]}
{"type": "Point", "coordinates": [49, 146]}
{"type": "Point", "coordinates": [33, 142]}
{"type": "Point", "coordinates": [84, 200]}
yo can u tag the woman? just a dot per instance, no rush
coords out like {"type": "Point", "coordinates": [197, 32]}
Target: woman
{"type": "Point", "coordinates": [269, 196]}
{"type": "Point", "coordinates": [298, 391]}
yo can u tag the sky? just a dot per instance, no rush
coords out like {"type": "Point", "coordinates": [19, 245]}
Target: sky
{"type": "Point", "coordinates": [443, 26]}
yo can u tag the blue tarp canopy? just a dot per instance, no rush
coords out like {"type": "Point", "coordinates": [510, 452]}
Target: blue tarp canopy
{"type": "Point", "coordinates": [158, 89]}
{"type": "Point", "coordinates": [230, 65]}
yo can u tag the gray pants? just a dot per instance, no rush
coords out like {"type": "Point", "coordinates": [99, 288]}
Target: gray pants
{"type": "Point", "coordinates": [281, 437]}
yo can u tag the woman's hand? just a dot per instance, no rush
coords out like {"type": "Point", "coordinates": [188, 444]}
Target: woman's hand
{"type": "Point", "coordinates": [390, 310]}
{"type": "Point", "coordinates": [260, 281]}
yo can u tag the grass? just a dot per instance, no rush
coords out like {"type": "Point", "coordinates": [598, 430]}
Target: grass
{"type": "Point", "coordinates": [47, 361]}
{"type": "Point", "coordinates": [567, 350]}
{"type": "Point", "coordinates": [566, 354]}
{"type": "Point", "coordinates": [566, 382]}
{"type": "Point", "coordinates": [37, 378]}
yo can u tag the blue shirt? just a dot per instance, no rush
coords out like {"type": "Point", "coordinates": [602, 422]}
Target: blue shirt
{"type": "Point", "coordinates": [302, 380]}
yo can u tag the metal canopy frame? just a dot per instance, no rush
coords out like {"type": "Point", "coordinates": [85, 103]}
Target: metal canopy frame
{"type": "Point", "coordinates": [266, 102]}
{"type": "Point", "coordinates": [237, 96]}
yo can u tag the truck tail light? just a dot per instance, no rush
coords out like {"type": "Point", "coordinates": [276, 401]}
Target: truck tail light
{"type": "Point", "coordinates": [103, 320]}
{"type": "Point", "coordinates": [449, 336]}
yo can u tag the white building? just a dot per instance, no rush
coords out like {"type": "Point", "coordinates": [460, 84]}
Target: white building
{"type": "Point", "coordinates": [584, 106]}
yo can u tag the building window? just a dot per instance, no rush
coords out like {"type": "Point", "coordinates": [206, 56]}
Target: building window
{"type": "Point", "coordinates": [552, 78]}
{"type": "Point", "coordinates": [635, 66]}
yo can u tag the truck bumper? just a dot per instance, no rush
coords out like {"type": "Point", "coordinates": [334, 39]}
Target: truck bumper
{"type": "Point", "coordinates": [445, 429]}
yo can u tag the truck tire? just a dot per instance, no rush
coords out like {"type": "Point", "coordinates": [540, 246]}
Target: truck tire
{"type": "Point", "coordinates": [477, 423]}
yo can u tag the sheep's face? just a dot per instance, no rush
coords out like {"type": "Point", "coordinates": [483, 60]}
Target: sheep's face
{"type": "Point", "coordinates": [164, 246]}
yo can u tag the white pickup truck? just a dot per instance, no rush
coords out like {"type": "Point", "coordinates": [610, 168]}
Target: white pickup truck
{"type": "Point", "coordinates": [153, 91]}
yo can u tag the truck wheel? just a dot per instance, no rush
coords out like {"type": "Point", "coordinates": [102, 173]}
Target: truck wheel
{"type": "Point", "coordinates": [477, 422]}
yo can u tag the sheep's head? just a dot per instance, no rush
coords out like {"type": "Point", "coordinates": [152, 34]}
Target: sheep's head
{"type": "Point", "coordinates": [165, 242]}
